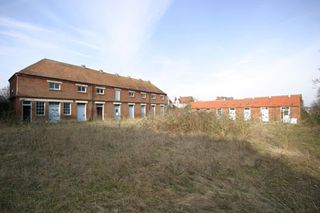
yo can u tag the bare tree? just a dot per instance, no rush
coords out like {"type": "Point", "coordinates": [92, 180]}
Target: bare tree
{"type": "Point", "coordinates": [5, 94]}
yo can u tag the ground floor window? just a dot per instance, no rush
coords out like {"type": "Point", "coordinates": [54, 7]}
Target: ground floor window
{"type": "Point", "coordinates": [67, 108]}
{"type": "Point", "coordinates": [40, 108]}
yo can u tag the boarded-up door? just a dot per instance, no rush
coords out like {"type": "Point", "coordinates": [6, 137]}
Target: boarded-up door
{"type": "Point", "coordinates": [54, 112]}
{"type": "Point", "coordinates": [117, 112]}
{"type": "Point", "coordinates": [264, 114]}
{"type": "Point", "coordinates": [143, 110]}
{"type": "Point", "coordinates": [232, 113]}
{"type": "Point", "coordinates": [81, 112]}
{"type": "Point", "coordinates": [247, 114]}
{"type": "Point", "coordinates": [131, 111]}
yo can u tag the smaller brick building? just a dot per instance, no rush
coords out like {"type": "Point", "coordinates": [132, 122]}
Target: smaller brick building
{"type": "Point", "coordinates": [286, 109]}
{"type": "Point", "coordinates": [54, 91]}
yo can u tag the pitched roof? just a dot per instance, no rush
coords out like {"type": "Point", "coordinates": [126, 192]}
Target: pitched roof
{"type": "Point", "coordinates": [59, 70]}
{"type": "Point", "coordinates": [186, 99]}
{"type": "Point", "coordinates": [273, 101]}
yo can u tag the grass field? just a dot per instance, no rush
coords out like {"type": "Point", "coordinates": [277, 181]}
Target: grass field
{"type": "Point", "coordinates": [183, 163]}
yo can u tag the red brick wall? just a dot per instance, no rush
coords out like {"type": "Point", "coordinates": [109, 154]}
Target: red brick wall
{"type": "Point", "coordinates": [37, 88]}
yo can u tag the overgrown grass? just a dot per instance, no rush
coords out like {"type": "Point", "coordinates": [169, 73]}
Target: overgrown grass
{"type": "Point", "coordinates": [178, 163]}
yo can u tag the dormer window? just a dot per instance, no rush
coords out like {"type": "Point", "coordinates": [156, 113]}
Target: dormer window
{"type": "Point", "coordinates": [100, 90]}
{"type": "Point", "coordinates": [54, 85]}
{"type": "Point", "coordinates": [131, 94]}
{"type": "Point", "coordinates": [81, 88]}
{"type": "Point", "coordinates": [153, 96]}
{"type": "Point", "coordinates": [143, 95]}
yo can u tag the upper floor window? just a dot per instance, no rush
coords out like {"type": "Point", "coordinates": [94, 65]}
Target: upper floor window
{"type": "Point", "coordinates": [54, 85]}
{"type": "Point", "coordinates": [40, 108]}
{"type": "Point", "coordinates": [143, 95]}
{"type": "Point", "coordinates": [117, 94]}
{"type": "Point", "coordinates": [162, 97]}
{"type": "Point", "coordinates": [153, 96]}
{"type": "Point", "coordinates": [100, 90]}
{"type": "Point", "coordinates": [131, 94]}
{"type": "Point", "coordinates": [81, 88]}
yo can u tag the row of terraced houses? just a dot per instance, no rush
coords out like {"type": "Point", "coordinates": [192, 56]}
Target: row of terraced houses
{"type": "Point", "coordinates": [54, 91]}
{"type": "Point", "coordinates": [285, 109]}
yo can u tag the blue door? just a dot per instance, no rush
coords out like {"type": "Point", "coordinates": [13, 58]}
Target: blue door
{"type": "Point", "coordinates": [81, 112]}
{"type": "Point", "coordinates": [117, 112]}
{"type": "Point", "coordinates": [54, 112]}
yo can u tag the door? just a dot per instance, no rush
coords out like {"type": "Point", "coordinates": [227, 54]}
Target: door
{"type": "Point", "coordinates": [232, 113]}
{"type": "Point", "coordinates": [131, 111]}
{"type": "Point", "coordinates": [285, 114]}
{"type": "Point", "coordinates": [81, 112]}
{"type": "Point", "coordinates": [99, 110]}
{"type": "Point", "coordinates": [26, 111]}
{"type": "Point", "coordinates": [153, 108]}
{"type": "Point", "coordinates": [143, 111]}
{"type": "Point", "coordinates": [247, 114]}
{"type": "Point", "coordinates": [117, 111]}
{"type": "Point", "coordinates": [54, 112]}
{"type": "Point", "coordinates": [264, 114]}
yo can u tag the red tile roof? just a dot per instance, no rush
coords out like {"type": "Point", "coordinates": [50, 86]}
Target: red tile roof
{"type": "Point", "coordinates": [186, 99]}
{"type": "Point", "coordinates": [59, 70]}
{"type": "Point", "coordinates": [273, 101]}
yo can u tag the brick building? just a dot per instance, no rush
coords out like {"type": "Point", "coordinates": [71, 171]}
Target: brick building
{"type": "Point", "coordinates": [286, 109]}
{"type": "Point", "coordinates": [54, 91]}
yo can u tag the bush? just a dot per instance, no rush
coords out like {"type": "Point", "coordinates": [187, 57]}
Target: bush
{"type": "Point", "coordinates": [199, 122]}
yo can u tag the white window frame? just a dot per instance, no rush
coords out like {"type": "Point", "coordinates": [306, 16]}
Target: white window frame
{"type": "Point", "coordinates": [54, 83]}
{"type": "Point", "coordinates": [244, 114]}
{"type": "Point", "coordinates": [44, 108]}
{"type": "Point", "coordinates": [162, 97]}
{"type": "Point", "coordinates": [143, 95]}
{"type": "Point", "coordinates": [281, 113]}
{"type": "Point", "coordinates": [115, 94]}
{"type": "Point", "coordinates": [100, 88]}
{"type": "Point", "coordinates": [131, 93]}
{"type": "Point", "coordinates": [82, 86]}
{"type": "Point", "coordinates": [69, 108]}
{"type": "Point", "coordinates": [235, 113]}
{"type": "Point", "coordinates": [219, 112]}
{"type": "Point", "coordinates": [153, 96]}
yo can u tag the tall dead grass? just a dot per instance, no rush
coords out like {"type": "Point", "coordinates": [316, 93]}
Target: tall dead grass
{"type": "Point", "coordinates": [200, 122]}
{"type": "Point", "coordinates": [107, 167]}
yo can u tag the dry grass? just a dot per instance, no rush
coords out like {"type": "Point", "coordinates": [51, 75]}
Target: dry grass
{"type": "Point", "coordinates": [125, 167]}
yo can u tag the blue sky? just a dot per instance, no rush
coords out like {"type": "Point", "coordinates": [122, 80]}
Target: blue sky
{"type": "Point", "coordinates": [202, 48]}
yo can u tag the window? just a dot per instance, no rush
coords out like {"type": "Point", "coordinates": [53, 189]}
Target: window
{"type": "Point", "coordinates": [67, 108]}
{"type": "Point", "coordinates": [246, 114]}
{"type": "Point", "coordinates": [81, 88]}
{"type": "Point", "coordinates": [54, 85]}
{"type": "Point", "coordinates": [162, 97]}
{"type": "Point", "coordinates": [208, 110]}
{"type": "Point", "coordinates": [219, 112]}
{"type": "Point", "coordinates": [131, 94]}
{"type": "Point", "coordinates": [143, 95]}
{"type": "Point", "coordinates": [153, 96]}
{"type": "Point", "coordinates": [232, 113]}
{"type": "Point", "coordinates": [40, 108]}
{"type": "Point", "coordinates": [100, 90]}
{"type": "Point", "coordinates": [117, 93]}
